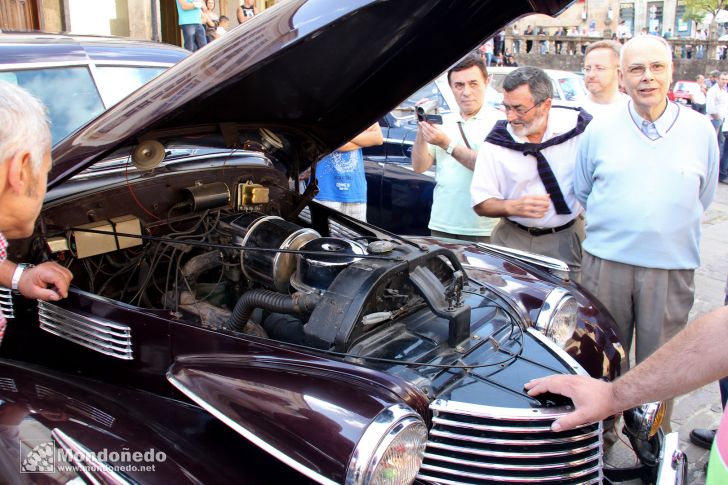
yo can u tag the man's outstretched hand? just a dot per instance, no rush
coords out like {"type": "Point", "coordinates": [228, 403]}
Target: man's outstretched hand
{"type": "Point", "coordinates": [592, 398]}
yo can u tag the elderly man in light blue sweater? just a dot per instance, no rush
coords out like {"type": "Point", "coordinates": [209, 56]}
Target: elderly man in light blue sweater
{"type": "Point", "coordinates": [645, 174]}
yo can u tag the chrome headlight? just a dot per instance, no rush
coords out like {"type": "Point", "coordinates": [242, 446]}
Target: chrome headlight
{"type": "Point", "coordinates": [557, 319]}
{"type": "Point", "coordinates": [391, 449]}
{"type": "Point", "coordinates": [644, 421]}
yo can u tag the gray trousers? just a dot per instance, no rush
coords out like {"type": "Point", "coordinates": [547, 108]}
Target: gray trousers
{"type": "Point", "coordinates": [564, 245]}
{"type": "Point", "coordinates": [653, 304]}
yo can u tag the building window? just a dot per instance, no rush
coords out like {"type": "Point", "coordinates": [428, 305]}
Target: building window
{"type": "Point", "coordinates": [654, 18]}
{"type": "Point", "coordinates": [626, 13]}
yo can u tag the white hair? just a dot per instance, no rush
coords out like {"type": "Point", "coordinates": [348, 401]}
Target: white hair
{"type": "Point", "coordinates": [24, 125]}
{"type": "Point", "coordinates": [640, 38]}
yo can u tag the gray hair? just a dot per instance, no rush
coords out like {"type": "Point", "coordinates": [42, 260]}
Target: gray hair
{"type": "Point", "coordinates": [24, 125]}
{"type": "Point", "coordinates": [611, 45]}
{"type": "Point", "coordinates": [536, 79]}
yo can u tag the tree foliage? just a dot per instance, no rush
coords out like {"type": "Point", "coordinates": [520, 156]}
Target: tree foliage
{"type": "Point", "coordinates": [696, 10]}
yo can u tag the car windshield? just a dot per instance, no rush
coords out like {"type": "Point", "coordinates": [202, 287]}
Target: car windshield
{"type": "Point", "coordinates": [116, 82]}
{"type": "Point", "coordinates": [572, 87]}
{"type": "Point", "coordinates": [688, 87]}
{"type": "Point", "coordinates": [69, 94]}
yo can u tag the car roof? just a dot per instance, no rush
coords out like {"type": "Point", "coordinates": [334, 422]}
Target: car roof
{"type": "Point", "coordinates": [38, 47]}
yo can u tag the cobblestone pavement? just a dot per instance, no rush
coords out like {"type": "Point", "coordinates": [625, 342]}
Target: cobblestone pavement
{"type": "Point", "coordinates": [700, 408]}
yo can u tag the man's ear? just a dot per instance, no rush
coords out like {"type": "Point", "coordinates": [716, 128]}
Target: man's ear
{"type": "Point", "coordinates": [19, 172]}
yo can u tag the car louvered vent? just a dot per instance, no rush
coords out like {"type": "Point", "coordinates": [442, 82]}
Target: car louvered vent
{"type": "Point", "coordinates": [487, 445]}
{"type": "Point", "coordinates": [6, 302]}
{"type": "Point", "coordinates": [95, 333]}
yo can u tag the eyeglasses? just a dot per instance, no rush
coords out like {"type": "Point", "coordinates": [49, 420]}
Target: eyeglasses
{"type": "Point", "coordinates": [519, 110]}
{"type": "Point", "coordinates": [640, 69]}
{"type": "Point", "coordinates": [597, 69]}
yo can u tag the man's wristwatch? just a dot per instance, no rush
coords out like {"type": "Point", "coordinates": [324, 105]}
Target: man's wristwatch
{"type": "Point", "coordinates": [17, 274]}
{"type": "Point", "coordinates": [450, 148]}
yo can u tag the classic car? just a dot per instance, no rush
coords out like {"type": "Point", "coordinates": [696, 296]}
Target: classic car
{"type": "Point", "coordinates": [683, 92]}
{"type": "Point", "coordinates": [78, 77]}
{"type": "Point", "coordinates": [225, 328]}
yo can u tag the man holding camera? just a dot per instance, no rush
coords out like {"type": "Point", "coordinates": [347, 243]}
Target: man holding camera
{"type": "Point", "coordinates": [453, 148]}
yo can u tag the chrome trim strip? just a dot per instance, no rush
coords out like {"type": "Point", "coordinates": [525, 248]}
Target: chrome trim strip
{"type": "Point", "coordinates": [7, 308]}
{"type": "Point", "coordinates": [673, 467]}
{"type": "Point", "coordinates": [101, 63]}
{"type": "Point", "coordinates": [514, 467]}
{"type": "Point", "coordinates": [502, 441]}
{"type": "Point", "coordinates": [549, 307]}
{"type": "Point", "coordinates": [509, 454]}
{"type": "Point", "coordinates": [443, 481]}
{"type": "Point", "coordinates": [24, 66]}
{"type": "Point", "coordinates": [86, 463]}
{"type": "Point", "coordinates": [368, 446]}
{"type": "Point", "coordinates": [498, 429]}
{"type": "Point", "coordinates": [494, 412]}
{"type": "Point", "coordinates": [507, 479]}
{"type": "Point", "coordinates": [313, 475]}
{"type": "Point", "coordinates": [552, 265]}
{"type": "Point", "coordinates": [100, 335]}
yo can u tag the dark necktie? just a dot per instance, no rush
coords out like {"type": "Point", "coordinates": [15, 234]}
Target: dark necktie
{"type": "Point", "coordinates": [500, 136]}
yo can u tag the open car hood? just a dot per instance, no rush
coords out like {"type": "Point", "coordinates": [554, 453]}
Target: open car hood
{"type": "Point", "coordinates": [324, 68]}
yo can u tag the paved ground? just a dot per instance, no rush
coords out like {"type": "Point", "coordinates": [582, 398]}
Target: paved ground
{"type": "Point", "coordinates": [701, 408]}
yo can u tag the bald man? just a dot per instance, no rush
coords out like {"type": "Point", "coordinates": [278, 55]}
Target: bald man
{"type": "Point", "coordinates": [644, 199]}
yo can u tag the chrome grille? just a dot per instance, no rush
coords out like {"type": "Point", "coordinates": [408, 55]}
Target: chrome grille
{"type": "Point", "coordinates": [6, 302]}
{"type": "Point", "coordinates": [95, 333]}
{"type": "Point", "coordinates": [471, 444]}
{"type": "Point", "coordinates": [80, 407]}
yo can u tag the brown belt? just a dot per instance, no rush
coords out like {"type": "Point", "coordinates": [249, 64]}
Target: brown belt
{"type": "Point", "coordinates": [541, 231]}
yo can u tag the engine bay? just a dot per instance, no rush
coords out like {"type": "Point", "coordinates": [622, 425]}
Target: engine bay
{"type": "Point", "coordinates": [239, 255]}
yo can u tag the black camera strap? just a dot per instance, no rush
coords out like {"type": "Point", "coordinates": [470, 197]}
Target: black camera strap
{"type": "Point", "coordinates": [462, 133]}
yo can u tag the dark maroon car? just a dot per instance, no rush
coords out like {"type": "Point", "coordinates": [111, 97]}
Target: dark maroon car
{"type": "Point", "coordinates": [225, 328]}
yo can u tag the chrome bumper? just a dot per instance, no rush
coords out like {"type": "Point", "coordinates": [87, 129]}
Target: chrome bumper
{"type": "Point", "coordinates": [673, 468]}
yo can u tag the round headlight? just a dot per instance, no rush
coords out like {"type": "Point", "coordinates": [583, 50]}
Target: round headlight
{"type": "Point", "coordinates": [391, 450]}
{"type": "Point", "coordinates": [644, 421]}
{"type": "Point", "coordinates": [557, 319]}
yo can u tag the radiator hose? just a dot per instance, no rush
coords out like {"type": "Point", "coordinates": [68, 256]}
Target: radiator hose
{"type": "Point", "coordinates": [300, 303]}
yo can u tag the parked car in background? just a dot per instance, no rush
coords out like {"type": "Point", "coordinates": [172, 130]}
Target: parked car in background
{"type": "Point", "coordinates": [226, 328]}
{"type": "Point", "coordinates": [399, 199]}
{"type": "Point", "coordinates": [683, 92]}
{"type": "Point", "coordinates": [78, 77]}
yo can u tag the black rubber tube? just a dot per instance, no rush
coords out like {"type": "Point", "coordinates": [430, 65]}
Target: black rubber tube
{"type": "Point", "coordinates": [271, 301]}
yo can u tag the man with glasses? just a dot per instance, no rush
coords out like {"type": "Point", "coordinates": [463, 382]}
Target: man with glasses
{"type": "Point", "coordinates": [525, 171]}
{"type": "Point", "coordinates": [601, 63]}
{"type": "Point", "coordinates": [645, 174]}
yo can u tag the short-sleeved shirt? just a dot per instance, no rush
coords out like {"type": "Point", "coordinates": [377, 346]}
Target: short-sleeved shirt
{"type": "Point", "coordinates": [341, 177]}
{"type": "Point", "coordinates": [186, 17]}
{"type": "Point", "coordinates": [451, 209]}
{"type": "Point", "coordinates": [505, 174]}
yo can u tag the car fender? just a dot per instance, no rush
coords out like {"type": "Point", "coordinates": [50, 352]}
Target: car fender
{"type": "Point", "coordinates": [309, 414]}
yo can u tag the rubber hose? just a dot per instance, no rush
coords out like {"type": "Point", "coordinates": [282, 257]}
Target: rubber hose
{"type": "Point", "coordinates": [271, 301]}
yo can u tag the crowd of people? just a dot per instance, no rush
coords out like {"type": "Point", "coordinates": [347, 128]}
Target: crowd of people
{"type": "Point", "coordinates": [200, 24]}
{"type": "Point", "coordinates": [616, 189]}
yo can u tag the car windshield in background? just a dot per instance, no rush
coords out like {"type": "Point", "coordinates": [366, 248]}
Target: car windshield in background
{"type": "Point", "coordinates": [572, 88]}
{"type": "Point", "coordinates": [116, 82]}
{"type": "Point", "coordinates": [69, 93]}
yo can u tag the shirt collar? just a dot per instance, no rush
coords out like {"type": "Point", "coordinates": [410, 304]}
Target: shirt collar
{"type": "Point", "coordinates": [663, 123]}
{"type": "Point", "coordinates": [559, 122]}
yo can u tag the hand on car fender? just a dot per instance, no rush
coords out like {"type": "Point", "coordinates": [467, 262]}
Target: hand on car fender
{"type": "Point", "coordinates": [48, 281]}
{"type": "Point", "coordinates": [592, 398]}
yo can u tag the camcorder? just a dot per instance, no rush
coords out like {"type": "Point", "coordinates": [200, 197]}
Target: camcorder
{"type": "Point", "coordinates": [426, 112]}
